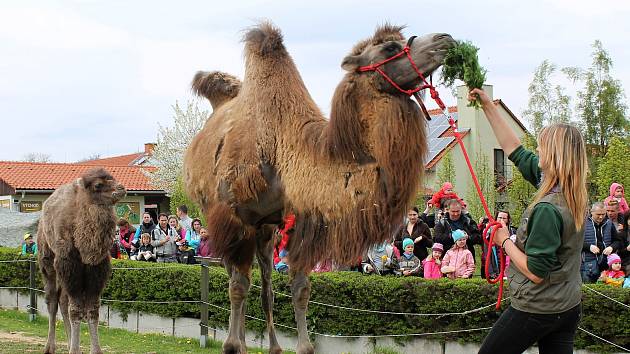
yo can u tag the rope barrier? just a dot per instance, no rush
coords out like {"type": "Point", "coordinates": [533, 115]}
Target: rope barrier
{"type": "Point", "coordinates": [154, 302]}
{"type": "Point", "coordinates": [602, 339]}
{"type": "Point", "coordinates": [390, 312]}
{"type": "Point", "coordinates": [18, 260]}
{"type": "Point", "coordinates": [358, 336]}
{"type": "Point", "coordinates": [609, 298]}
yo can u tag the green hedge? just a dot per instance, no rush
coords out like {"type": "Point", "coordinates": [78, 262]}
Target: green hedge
{"type": "Point", "coordinates": [181, 282]}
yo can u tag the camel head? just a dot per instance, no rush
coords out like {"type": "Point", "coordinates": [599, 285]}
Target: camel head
{"type": "Point", "coordinates": [102, 188]}
{"type": "Point", "coordinates": [427, 52]}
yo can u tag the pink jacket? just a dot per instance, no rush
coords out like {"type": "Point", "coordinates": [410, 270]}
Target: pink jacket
{"type": "Point", "coordinates": [431, 269]}
{"type": "Point", "coordinates": [462, 260]}
{"type": "Point", "coordinates": [623, 205]}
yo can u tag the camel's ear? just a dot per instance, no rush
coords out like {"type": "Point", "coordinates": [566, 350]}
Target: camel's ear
{"type": "Point", "coordinates": [351, 62]}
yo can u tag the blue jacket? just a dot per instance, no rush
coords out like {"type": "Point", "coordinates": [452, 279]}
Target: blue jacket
{"type": "Point", "coordinates": [193, 239]}
{"type": "Point", "coordinates": [590, 237]}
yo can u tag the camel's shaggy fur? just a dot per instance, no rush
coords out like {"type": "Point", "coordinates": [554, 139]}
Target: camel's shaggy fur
{"type": "Point", "coordinates": [269, 151]}
{"type": "Point", "coordinates": [74, 238]}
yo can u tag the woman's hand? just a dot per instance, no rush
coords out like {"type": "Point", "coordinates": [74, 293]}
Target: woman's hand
{"type": "Point", "coordinates": [501, 235]}
{"type": "Point", "coordinates": [483, 97]}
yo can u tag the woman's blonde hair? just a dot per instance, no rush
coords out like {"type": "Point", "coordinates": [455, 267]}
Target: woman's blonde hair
{"type": "Point", "coordinates": [563, 162]}
{"type": "Point", "coordinates": [179, 227]}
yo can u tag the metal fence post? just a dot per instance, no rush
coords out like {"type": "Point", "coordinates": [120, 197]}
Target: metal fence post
{"type": "Point", "coordinates": [203, 305]}
{"type": "Point", "coordinates": [32, 311]}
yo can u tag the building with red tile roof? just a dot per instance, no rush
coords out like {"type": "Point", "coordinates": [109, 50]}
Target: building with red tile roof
{"type": "Point", "coordinates": [478, 138]}
{"type": "Point", "coordinates": [24, 186]}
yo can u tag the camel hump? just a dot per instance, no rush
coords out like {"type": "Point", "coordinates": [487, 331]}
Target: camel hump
{"type": "Point", "coordinates": [264, 39]}
{"type": "Point", "coordinates": [218, 87]}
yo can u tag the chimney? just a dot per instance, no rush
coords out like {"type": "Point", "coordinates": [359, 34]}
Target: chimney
{"type": "Point", "coordinates": [149, 147]}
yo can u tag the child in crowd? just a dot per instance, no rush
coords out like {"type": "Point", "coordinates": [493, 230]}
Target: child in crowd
{"type": "Point", "coordinates": [380, 259]}
{"type": "Point", "coordinates": [29, 246]}
{"type": "Point", "coordinates": [409, 264]}
{"type": "Point", "coordinates": [617, 193]}
{"type": "Point", "coordinates": [445, 194]}
{"type": "Point", "coordinates": [282, 265]}
{"type": "Point", "coordinates": [432, 265]}
{"type": "Point", "coordinates": [614, 275]}
{"type": "Point", "coordinates": [146, 251]}
{"type": "Point", "coordinates": [185, 253]}
{"type": "Point", "coordinates": [458, 261]}
{"type": "Point", "coordinates": [174, 223]}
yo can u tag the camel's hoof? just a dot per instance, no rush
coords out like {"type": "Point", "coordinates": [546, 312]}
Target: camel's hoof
{"type": "Point", "coordinates": [233, 347]}
{"type": "Point", "coordinates": [305, 349]}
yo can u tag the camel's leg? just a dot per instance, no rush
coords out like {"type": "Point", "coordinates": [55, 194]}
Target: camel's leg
{"type": "Point", "coordinates": [52, 300]}
{"type": "Point", "coordinates": [301, 292]}
{"type": "Point", "coordinates": [264, 253]}
{"type": "Point", "coordinates": [76, 313]}
{"type": "Point", "coordinates": [63, 308]}
{"type": "Point", "coordinates": [92, 320]}
{"type": "Point", "coordinates": [239, 287]}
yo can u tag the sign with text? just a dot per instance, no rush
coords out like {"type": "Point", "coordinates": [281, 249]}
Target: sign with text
{"type": "Point", "coordinates": [30, 207]}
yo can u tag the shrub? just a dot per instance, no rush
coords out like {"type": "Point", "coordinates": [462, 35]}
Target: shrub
{"type": "Point", "coordinates": [172, 282]}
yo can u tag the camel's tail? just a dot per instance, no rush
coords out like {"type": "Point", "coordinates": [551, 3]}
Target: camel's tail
{"type": "Point", "coordinates": [218, 87]}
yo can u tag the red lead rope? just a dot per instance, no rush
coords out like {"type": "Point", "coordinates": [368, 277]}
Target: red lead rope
{"type": "Point", "coordinates": [436, 97]}
{"type": "Point", "coordinates": [491, 224]}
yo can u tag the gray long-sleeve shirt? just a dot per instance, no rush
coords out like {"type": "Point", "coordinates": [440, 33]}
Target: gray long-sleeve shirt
{"type": "Point", "coordinates": [167, 249]}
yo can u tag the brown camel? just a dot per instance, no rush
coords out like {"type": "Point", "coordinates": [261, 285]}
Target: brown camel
{"type": "Point", "coordinates": [74, 239]}
{"type": "Point", "coordinates": [267, 150]}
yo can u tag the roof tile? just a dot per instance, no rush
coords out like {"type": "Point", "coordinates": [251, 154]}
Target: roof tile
{"type": "Point", "coordinates": [30, 175]}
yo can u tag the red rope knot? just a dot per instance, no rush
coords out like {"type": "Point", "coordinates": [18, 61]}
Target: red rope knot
{"type": "Point", "coordinates": [436, 97]}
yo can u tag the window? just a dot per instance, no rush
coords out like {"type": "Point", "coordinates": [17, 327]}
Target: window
{"type": "Point", "coordinates": [499, 168]}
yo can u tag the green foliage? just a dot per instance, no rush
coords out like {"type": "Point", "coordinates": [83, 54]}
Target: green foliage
{"type": "Point", "coordinates": [486, 178]}
{"type": "Point", "coordinates": [520, 191]}
{"type": "Point", "coordinates": [172, 142]}
{"type": "Point", "coordinates": [445, 170]}
{"type": "Point", "coordinates": [601, 104]}
{"type": "Point", "coordinates": [179, 197]}
{"type": "Point", "coordinates": [613, 167]}
{"type": "Point", "coordinates": [171, 282]}
{"type": "Point", "coordinates": [547, 103]}
{"type": "Point", "coordinates": [461, 63]}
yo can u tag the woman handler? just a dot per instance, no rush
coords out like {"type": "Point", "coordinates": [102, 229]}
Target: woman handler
{"type": "Point", "coordinates": [544, 273]}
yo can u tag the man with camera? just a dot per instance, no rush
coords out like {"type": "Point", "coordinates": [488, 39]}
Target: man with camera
{"type": "Point", "coordinates": [453, 220]}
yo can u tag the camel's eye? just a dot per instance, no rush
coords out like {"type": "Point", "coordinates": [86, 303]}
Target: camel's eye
{"type": "Point", "coordinates": [392, 48]}
{"type": "Point", "coordinates": [98, 186]}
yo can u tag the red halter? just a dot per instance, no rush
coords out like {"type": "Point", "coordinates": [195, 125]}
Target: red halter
{"type": "Point", "coordinates": [424, 85]}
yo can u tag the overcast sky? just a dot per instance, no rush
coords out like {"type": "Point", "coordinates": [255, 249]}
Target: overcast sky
{"type": "Point", "coordinates": [79, 78]}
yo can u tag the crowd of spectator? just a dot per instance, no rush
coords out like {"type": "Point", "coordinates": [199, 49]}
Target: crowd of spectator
{"type": "Point", "coordinates": [441, 242]}
{"type": "Point", "coordinates": [438, 242]}
{"type": "Point", "coordinates": [174, 239]}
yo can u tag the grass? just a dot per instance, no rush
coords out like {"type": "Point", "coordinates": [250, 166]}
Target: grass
{"type": "Point", "coordinates": [18, 335]}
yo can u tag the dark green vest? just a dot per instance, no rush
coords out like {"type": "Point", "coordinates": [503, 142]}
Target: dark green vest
{"type": "Point", "coordinates": [561, 289]}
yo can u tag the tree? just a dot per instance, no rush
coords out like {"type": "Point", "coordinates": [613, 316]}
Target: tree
{"type": "Point", "coordinates": [168, 155]}
{"type": "Point", "coordinates": [547, 103]}
{"type": "Point", "coordinates": [486, 178]}
{"type": "Point", "coordinates": [36, 157]}
{"type": "Point", "coordinates": [90, 158]}
{"type": "Point", "coordinates": [600, 103]}
{"type": "Point", "coordinates": [179, 197]}
{"type": "Point", "coordinates": [613, 167]}
{"type": "Point", "coordinates": [520, 191]}
{"type": "Point", "coordinates": [172, 143]}
{"type": "Point", "coordinates": [446, 170]}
